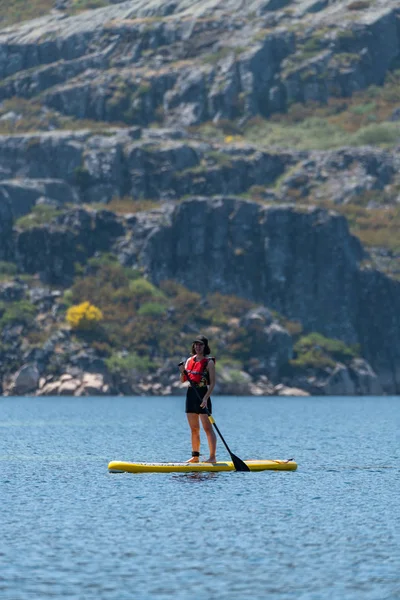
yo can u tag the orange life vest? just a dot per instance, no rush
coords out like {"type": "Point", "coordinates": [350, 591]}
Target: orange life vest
{"type": "Point", "coordinates": [197, 370]}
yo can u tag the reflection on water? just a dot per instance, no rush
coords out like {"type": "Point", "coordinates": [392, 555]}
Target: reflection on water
{"type": "Point", "coordinates": [195, 477]}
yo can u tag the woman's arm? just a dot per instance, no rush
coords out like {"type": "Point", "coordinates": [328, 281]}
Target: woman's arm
{"type": "Point", "coordinates": [211, 372]}
{"type": "Point", "coordinates": [182, 368]}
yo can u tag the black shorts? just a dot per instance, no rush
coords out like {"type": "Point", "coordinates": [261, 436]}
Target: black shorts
{"type": "Point", "coordinates": [193, 401]}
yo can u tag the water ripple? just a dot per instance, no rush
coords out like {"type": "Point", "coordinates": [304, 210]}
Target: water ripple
{"type": "Point", "coordinates": [69, 529]}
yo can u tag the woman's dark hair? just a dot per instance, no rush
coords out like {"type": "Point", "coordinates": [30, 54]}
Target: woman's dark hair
{"type": "Point", "coordinates": [206, 350]}
{"type": "Point", "coordinates": [203, 340]}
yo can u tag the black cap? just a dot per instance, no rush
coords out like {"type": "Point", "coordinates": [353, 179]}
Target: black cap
{"type": "Point", "coordinates": [202, 339]}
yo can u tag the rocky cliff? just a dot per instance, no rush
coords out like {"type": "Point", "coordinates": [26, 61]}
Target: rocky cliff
{"type": "Point", "coordinates": [123, 96]}
{"type": "Point", "coordinates": [299, 261]}
{"type": "Point", "coordinates": [184, 62]}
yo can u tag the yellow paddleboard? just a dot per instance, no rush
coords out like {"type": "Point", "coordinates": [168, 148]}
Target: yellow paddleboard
{"type": "Point", "coordinates": [179, 467]}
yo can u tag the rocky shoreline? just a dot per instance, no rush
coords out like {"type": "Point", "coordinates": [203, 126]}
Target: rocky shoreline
{"type": "Point", "coordinates": [358, 379]}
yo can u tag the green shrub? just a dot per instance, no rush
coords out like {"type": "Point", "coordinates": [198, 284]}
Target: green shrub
{"type": "Point", "coordinates": [18, 313]}
{"type": "Point", "coordinates": [152, 309]}
{"type": "Point", "coordinates": [313, 359]}
{"type": "Point", "coordinates": [234, 376]}
{"type": "Point", "coordinates": [68, 298]}
{"type": "Point", "coordinates": [42, 214]}
{"type": "Point", "coordinates": [103, 259]}
{"type": "Point", "coordinates": [317, 351]}
{"type": "Point", "coordinates": [102, 348]}
{"type": "Point", "coordinates": [7, 268]}
{"type": "Point", "coordinates": [377, 134]}
{"type": "Point", "coordinates": [171, 288]}
{"type": "Point", "coordinates": [101, 287]}
{"type": "Point", "coordinates": [219, 309]}
{"type": "Point", "coordinates": [107, 259]}
{"type": "Point", "coordinates": [142, 290]}
{"type": "Point", "coordinates": [232, 306]}
{"type": "Point", "coordinates": [186, 304]}
{"type": "Point", "coordinates": [230, 363]}
{"type": "Point", "coordinates": [295, 328]}
{"type": "Point", "coordinates": [128, 363]}
{"type": "Point", "coordinates": [310, 133]}
{"type": "Point", "coordinates": [363, 109]}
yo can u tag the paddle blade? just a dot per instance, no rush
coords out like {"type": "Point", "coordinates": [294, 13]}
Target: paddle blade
{"type": "Point", "coordinates": [239, 464]}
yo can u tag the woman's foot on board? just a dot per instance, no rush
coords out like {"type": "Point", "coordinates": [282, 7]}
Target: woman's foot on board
{"type": "Point", "coordinates": [211, 460]}
{"type": "Point", "coordinates": [195, 457]}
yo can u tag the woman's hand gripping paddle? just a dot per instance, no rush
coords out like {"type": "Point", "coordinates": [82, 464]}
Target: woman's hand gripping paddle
{"type": "Point", "coordinates": [237, 462]}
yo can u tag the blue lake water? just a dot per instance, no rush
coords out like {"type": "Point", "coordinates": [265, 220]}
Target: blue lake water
{"type": "Point", "coordinates": [69, 529]}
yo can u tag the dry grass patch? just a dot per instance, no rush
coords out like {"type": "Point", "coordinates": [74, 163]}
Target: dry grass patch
{"type": "Point", "coordinates": [24, 116]}
{"type": "Point", "coordinates": [81, 5]}
{"type": "Point", "coordinates": [375, 227]}
{"type": "Point", "coordinates": [16, 11]}
{"type": "Point", "coordinates": [126, 205]}
{"type": "Point", "coordinates": [363, 119]}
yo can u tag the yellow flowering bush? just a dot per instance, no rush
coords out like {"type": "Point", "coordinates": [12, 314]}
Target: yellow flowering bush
{"type": "Point", "coordinates": [230, 139]}
{"type": "Point", "coordinates": [84, 316]}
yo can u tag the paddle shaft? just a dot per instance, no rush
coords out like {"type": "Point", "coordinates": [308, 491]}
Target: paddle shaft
{"type": "Point", "coordinates": [237, 462]}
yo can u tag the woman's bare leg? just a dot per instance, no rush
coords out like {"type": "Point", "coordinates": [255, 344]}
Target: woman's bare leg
{"type": "Point", "coordinates": [194, 424]}
{"type": "Point", "coordinates": [211, 438]}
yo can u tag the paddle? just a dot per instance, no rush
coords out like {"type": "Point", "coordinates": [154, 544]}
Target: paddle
{"type": "Point", "coordinates": [237, 462]}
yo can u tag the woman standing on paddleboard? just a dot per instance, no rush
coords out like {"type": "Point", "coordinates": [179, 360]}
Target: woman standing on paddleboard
{"type": "Point", "coordinates": [199, 369]}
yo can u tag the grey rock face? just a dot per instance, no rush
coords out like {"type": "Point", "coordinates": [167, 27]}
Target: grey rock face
{"type": "Point", "coordinates": [356, 379]}
{"type": "Point", "coordinates": [144, 61]}
{"type": "Point", "coordinates": [53, 250]}
{"type": "Point", "coordinates": [304, 264]}
{"type": "Point", "coordinates": [367, 382]}
{"type": "Point", "coordinates": [71, 167]}
{"type": "Point", "coordinates": [44, 156]}
{"type": "Point", "coordinates": [85, 167]}
{"type": "Point", "coordinates": [23, 194]}
{"type": "Point", "coordinates": [272, 345]}
{"type": "Point", "coordinates": [6, 225]}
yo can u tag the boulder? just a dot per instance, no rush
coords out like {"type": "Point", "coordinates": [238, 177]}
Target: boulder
{"type": "Point", "coordinates": [366, 380]}
{"type": "Point", "coordinates": [339, 383]}
{"type": "Point", "coordinates": [284, 390]}
{"type": "Point", "coordinates": [12, 291]}
{"type": "Point", "coordinates": [278, 350]}
{"type": "Point", "coordinates": [233, 382]}
{"type": "Point", "coordinates": [92, 385]}
{"type": "Point", "coordinates": [50, 388]}
{"type": "Point", "coordinates": [69, 387]}
{"type": "Point", "coordinates": [25, 380]}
